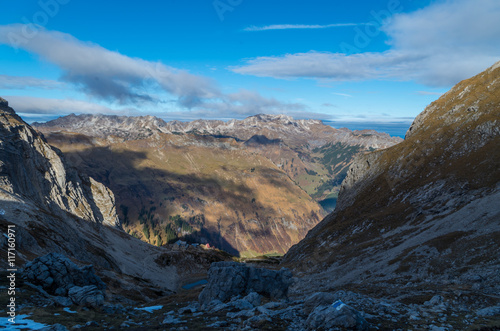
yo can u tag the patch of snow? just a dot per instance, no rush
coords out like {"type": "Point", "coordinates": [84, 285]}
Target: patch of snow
{"type": "Point", "coordinates": [66, 309]}
{"type": "Point", "coordinates": [149, 309]}
{"type": "Point", "coordinates": [21, 323]}
{"type": "Point", "coordinates": [338, 305]}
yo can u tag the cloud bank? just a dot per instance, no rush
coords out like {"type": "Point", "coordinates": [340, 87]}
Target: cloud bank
{"type": "Point", "coordinates": [46, 106]}
{"type": "Point", "coordinates": [22, 82]}
{"type": "Point", "coordinates": [437, 46]}
{"type": "Point", "coordinates": [110, 76]}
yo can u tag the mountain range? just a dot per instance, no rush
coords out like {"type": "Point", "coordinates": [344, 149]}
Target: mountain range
{"type": "Point", "coordinates": [413, 243]}
{"type": "Point", "coordinates": [249, 187]}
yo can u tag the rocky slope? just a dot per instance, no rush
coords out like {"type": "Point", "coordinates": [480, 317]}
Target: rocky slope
{"type": "Point", "coordinates": [422, 215]}
{"type": "Point", "coordinates": [53, 208]}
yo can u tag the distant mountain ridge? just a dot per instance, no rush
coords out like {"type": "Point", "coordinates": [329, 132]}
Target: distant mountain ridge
{"type": "Point", "coordinates": [285, 127]}
{"type": "Point", "coordinates": [239, 185]}
{"type": "Point", "coordinates": [316, 156]}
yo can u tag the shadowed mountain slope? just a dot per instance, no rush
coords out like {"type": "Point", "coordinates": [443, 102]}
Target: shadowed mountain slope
{"type": "Point", "coordinates": [53, 208]}
{"type": "Point", "coordinates": [425, 210]}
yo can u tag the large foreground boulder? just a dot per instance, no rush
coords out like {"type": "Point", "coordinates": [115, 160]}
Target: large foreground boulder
{"type": "Point", "coordinates": [334, 316]}
{"type": "Point", "coordinates": [88, 296]}
{"type": "Point", "coordinates": [56, 274]}
{"type": "Point", "coordinates": [229, 279]}
{"type": "Point", "coordinates": [317, 299]}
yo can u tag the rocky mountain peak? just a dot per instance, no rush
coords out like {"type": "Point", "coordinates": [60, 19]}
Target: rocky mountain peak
{"type": "Point", "coordinates": [287, 129]}
{"type": "Point", "coordinates": [471, 102]}
{"type": "Point", "coordinates": [270, 118]}
{"type": "Point", "coordinates": [279, 119]}
{"type": "Point", "coordinates": [4, 106]}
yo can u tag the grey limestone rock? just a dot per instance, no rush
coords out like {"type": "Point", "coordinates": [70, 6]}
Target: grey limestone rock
{"type": "Point", "coordinates": [229, 279]}
{"type": "Point", "coordinates": [254, 298]}
{"type": "Point", "coordinates": [489, 311]}
{"type": "Point", "coordinates": [334, 316]}
{"type": "Point", "coordinates": [88, 296]}
{"type": "Point", "coordinates": [56, 274]}
{"type": "Point", "coordinates": [318, 299]}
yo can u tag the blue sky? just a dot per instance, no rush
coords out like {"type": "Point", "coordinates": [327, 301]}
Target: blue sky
{"type": "Point", "coordinates": [360, 64]}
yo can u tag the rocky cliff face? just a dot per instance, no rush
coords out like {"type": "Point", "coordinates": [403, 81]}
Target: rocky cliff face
{"type": "Point", "coordinates": [36, 171]}
{"type": "Point", "coordinates": [424, 210]}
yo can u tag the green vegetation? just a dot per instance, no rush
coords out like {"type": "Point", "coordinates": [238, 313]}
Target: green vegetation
{"type": "Point", "coordinates": [145, 231]}
{"type": "Point", "coordinates": [146, 215]}
{"type": "Point", "coordinates": [159, 241]}
{"type": "Point", "coordinates": [180, 223]}
{"type": "Point", "coordinates": [334, 154]}
{"type": "Point", "coordinates": [171, 234]}
{"type": "Point", "coordinates": [311, 172]}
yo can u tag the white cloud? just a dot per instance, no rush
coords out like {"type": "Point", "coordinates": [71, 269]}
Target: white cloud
{"type": "Point", "coordinates": [246, 103]}
{"type": "Point", "coordinates": [110, 76]}
{"type": "Point", "coordinates": [22, 82]}
{"type": "Point", "coordinates": [35, 105]}
{"type": "Point", "coordinates": [297, 26]}
{"type": "Point", "coordinates": [342, 94]}
{"type": "Point", "coordinates": [106, 74]}
{"type": "Point", "coordinates": [438, 46]}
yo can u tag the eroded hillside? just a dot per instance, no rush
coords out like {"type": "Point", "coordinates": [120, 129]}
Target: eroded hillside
{"type": "Point", "coordinates": [425, 210]}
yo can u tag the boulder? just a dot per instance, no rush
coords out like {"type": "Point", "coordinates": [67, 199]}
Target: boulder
{"type": "Point", "coordinates": [229, 279]}
{"type": "Point", "coordinates": [56, 274]}
{"type": "Point", "coordinates": [254, 298]}
{"type": "Point", "coordinates": [317, 299]}
{"type": "Point", "coordinates": [434, 301]}
{"type": "Point", "coordinates": [241, 304]}
{"type": "Point", "coordinates": [334, 316]}
{"type": "Point", "coordinates": [88, 296]}
{"type": "Point", "coordinates": [257, 322]}
{"type": "Point", "coordinates": [489, 311]}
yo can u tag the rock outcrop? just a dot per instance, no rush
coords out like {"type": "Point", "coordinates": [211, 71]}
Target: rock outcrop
{"type": "Point", "coordinates": [336, 315]}
{"type": "Point", "coordinates": [57, 275]}
{"type": "Point", "coordinates": [230, 279]}
{"type": "Point", "coordinates": [87, 296]}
